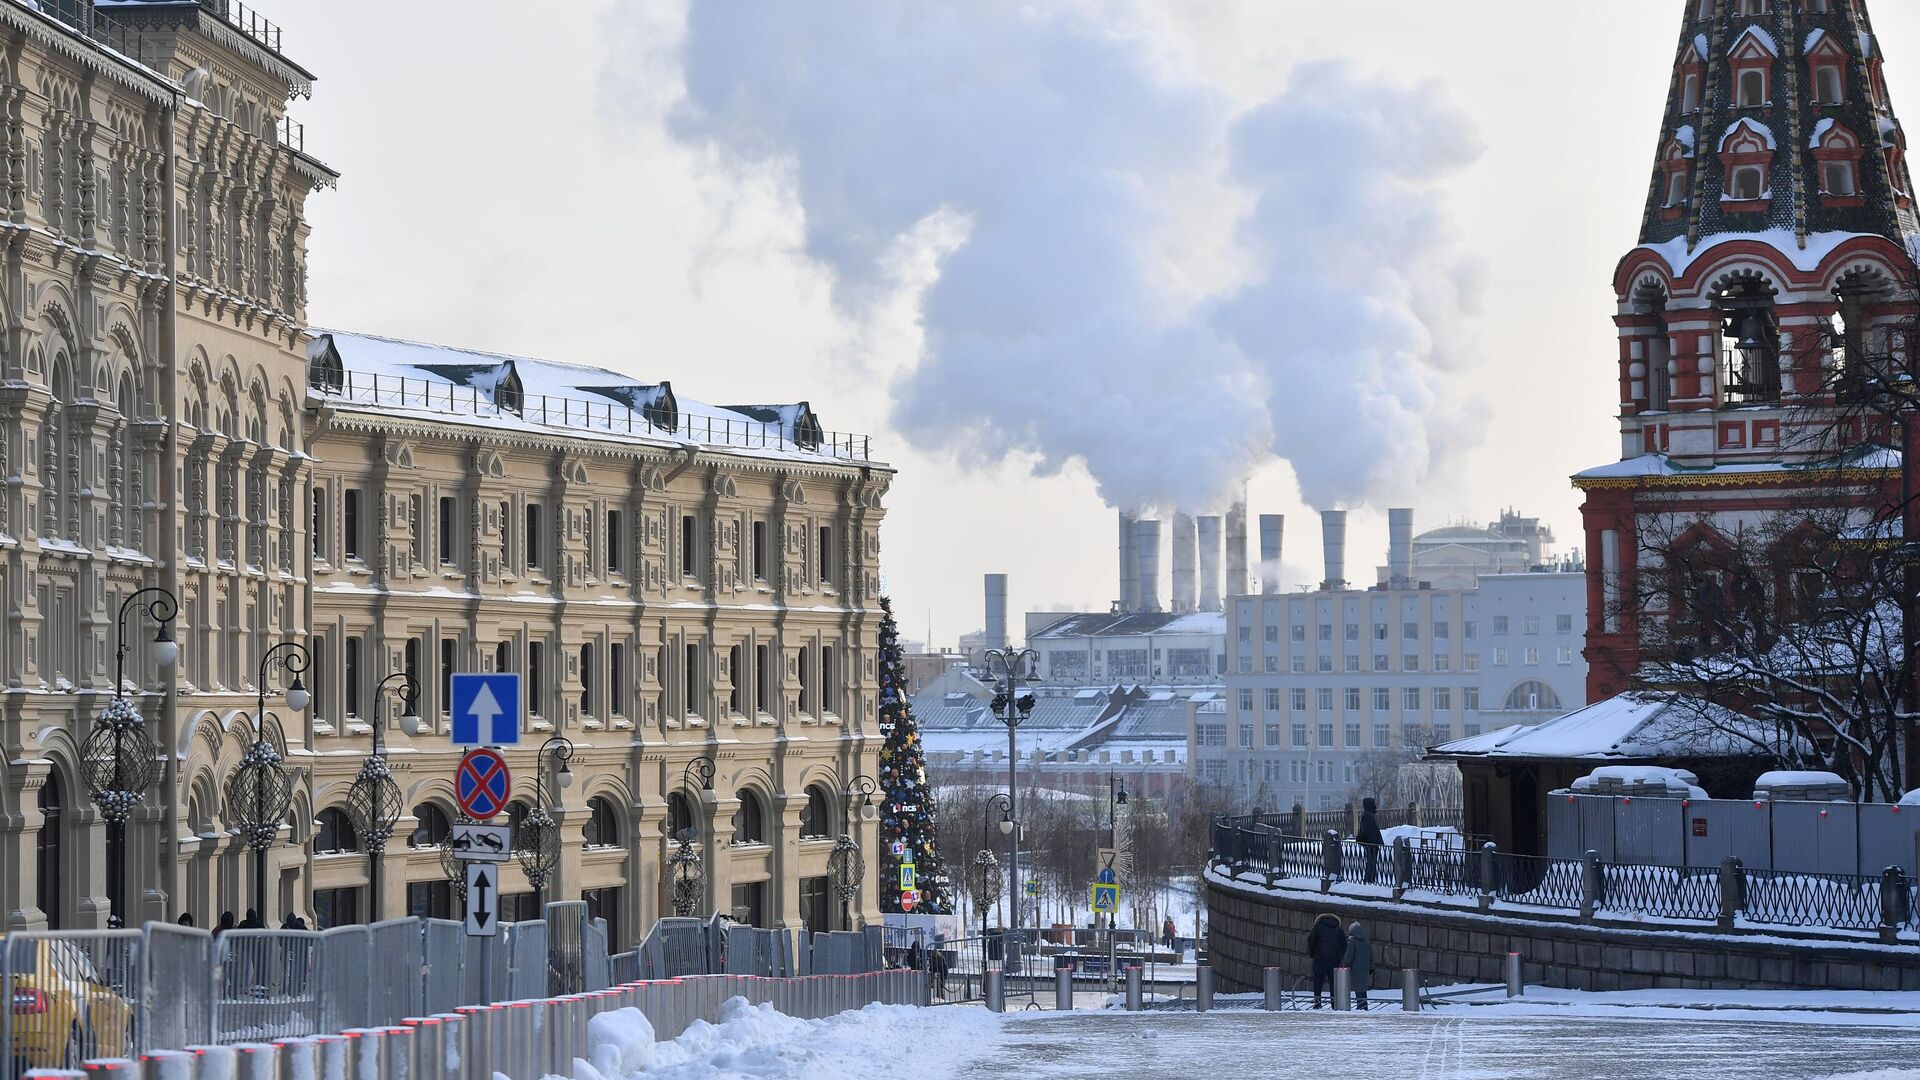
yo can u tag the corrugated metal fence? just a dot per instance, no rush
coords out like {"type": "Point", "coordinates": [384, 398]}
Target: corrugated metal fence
{"type": "Point", "coordinates": [1836, 838]}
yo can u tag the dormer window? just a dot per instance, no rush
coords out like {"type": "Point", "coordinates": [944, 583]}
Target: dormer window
{"type": "Point", "coordinates": [1693, 71]}
{"type": "Point", "coordinates": [1690, 93]}
{"type": "Point", "coordinates": [1746, 155]}
{"type": "Point", "coordinates": [325, 371]}
{"type": "Point", "coordinates": [1837, 150]}
{"type": "Point", "coordinates": [1826, 81]}
{"type": "Point", "coordinates": [1827, 67]}
{"type": "Point", "coordinates": [1677, 189]}
{"type": "Point", "coordinates": [1676, 166]}
{"type": "Point", "coordinates": [1752, 58]}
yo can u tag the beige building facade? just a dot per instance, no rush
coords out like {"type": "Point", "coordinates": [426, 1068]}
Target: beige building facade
{"type": "Point", "coordinates": [672, 581]}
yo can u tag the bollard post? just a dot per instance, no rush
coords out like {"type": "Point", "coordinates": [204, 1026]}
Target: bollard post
{"type": "Point", "coordinates": [109, 1068]}
{"type": "Point", "coordinates": [1894, 901]}
{"type": "Point", "coordinates": [339, 1056]}
{"type": "Point", "coordinates": [255, 1061]}
{"type": "Point", "coordinates": [476, 1023]}
{"type": "Point", "coordinates": [1203, 988]}
{"type": "Point", "coordinates": [1273, 981]}
{"type": "Point", "coordinates": [1410, 989]}
{"type": "Point", "coordinates": [1342, 989]}
{"type": "Point", "coordinates": [996, 990]}
{"type": "Point", "coordinates": [430, 1043]}
{"type": "Point", "coordinates": [519, 1029]}
{"type": "Point", "coordinates": [1136, 996]}
{"type": "Point", "coordinates": [1732, 891]}
{"type": "Point", "coordinates": [299, 1058]}
{"type": "Point", "coordinates": [400, 1062]}
{"type": "Point", "coordinates": [1489, 874]}
{"type": "Point", "coordinates": [1063, 988]}
{"type": "Point", "coordinates": [1402, 866]}
{"type": "Point", "coordinates": [1515, 988]}
{"type": "Point", "coordinates": [1329, 860]}
{"type": "Point", "coordinates": [171, 1064]}
{"type": "Point", "coordinates": [1592, 884]}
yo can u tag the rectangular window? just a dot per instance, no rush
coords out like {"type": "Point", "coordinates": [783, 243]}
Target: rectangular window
{"type": "Point", "coordinates": [448, 647]}
{"type": "Point", "coordinates": [1299, 734]}
{"type": "Point", "coordinates": [533, 536]}
{"type": "Point", "coordinates": [1325, 699]}
{"type": "Point", "coordinates": [1299, 700]}
{"type": "Point", "coordinates": [1379, 631]}
{"type": "Point", "coordinates": [1566, 654]}
{"type": "Point", "coordinates": [759, 551]}
{"type": "Point", "coordinates": [734, 696]}
{"type": "Point", "coordinates": [317, 677]}
{"type": "Point", "coordinates": [1353, 631]}
{"type": "Point", "coordinates": [448, 527]}
{"type": "Point", "coordinates": [1273, 700]}
{"type": "Point", "coordinates": [586, 679]}
{"type": "Point", "coordinates": [1299, 633]}
{"type": "Point", "coordinates": [763, 678]}
{"type": "Point", "coordinates": [1246, 736]}
{"type": "Point", "coordinates": [1499, 658]}
{"type": "Point", "coordinates": [1353, 699]}
{"type": "Point", "coordinates": [1353, 663]}
{"type": "Point", "coordinates": [1326, 663]}
{"type": "Point", "coordinates": [1272, 633]}
{"type": "Point", "coordinates": [829, 703]}
{"type": "Point", "coordinates": [1441, 631]}
{"type": "Point", "coordinates": [1326, 632]}
{"type": "Point", "coordinates": [1410, 699]}
{"type": "Point", "coordinates": [1410, 631]}
{"type": "Point", "coordinates": [1382, 699]}
{"type": "Point", "coordinates": [827, 573]}
{"type": "Point", "coordinates": [1273, 665]}
{"type": "Point", "coordinates": [1530, 625]}
{"type": "Point", "coordinates": [690, 699]}
{"type": "Point", "coordinates": [617, 679]}
{"type": "Point", "coordinates": [1246, 634]}
{"type": "Point", "coordinates": [689, 530]}
{"type": "Point", "coordinates": [1246, 664]}
{"type": "Point", "coordinates": [536, 704]}
{"type": "Point", "coordinates": [1326, 735]}
{"type": "Point", "coordinates": [1469, 630]}
{"type": "Point", "coordinates": [1499, 624]}
{"type": "Point", "coordinates": [1470, 698]}
{"type": "Point", "coordinates": [1353, 734]}
{"type": "Point", "coordinates": [350, 522]}
{"type": "Point", "coordinates": [1470, 730]}
{"type": "Point", "coordinates": [1563, 624]}
{"type": "Point", "coordinates": [1246, 700]}
{"type": "Point", "coordinates": [1299, 665]}
{"type": "Point", "coordinates": [1470, 662]}
{"type": "Point", "coordinates": [1382, 736]}
{"type": "Point", "coordinates": [1380, 663]}
{"type": "Point", "coordinates": [1442, 699]}
{"type": "Point", "coordinates": [1410, 662]}
{"type": "Point", "coordinates": [616, 549]}
{"type": "Point", "coordinates": [1442, 662]}
{"type": "Point", "coordinates": [1532, 655]}
{"type": "Point", "coordinates": [317, 533]}
{"type": "Point", "coordinates": [1273, 734]}
{"type": "Point", "coordinates": [350, 669]}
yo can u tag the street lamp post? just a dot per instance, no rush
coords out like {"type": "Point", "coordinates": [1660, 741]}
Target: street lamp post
{"type": "Point", "coordinates": [1012, 703]}
{"type": "Point", "coordinates": [374, 799]}
{"type": "Point", "coordinates": [119, 754]}
{"type": "Point", "coordinates": [538, 845]}
{"type": "Point", "coordinates": [683, 865]}
{"type": "Point", "coordinates": [1116, 798]}
{"type": "Point", "coordinates": [260, 791]}
{"type": "Point", "coordinates": [985, 859]}
{"type": "Point", "coordinates": [846, 865]}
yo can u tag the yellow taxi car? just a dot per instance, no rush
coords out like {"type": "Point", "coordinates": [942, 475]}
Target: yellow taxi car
{"type": "Point", "coordinates": [63, 1012]}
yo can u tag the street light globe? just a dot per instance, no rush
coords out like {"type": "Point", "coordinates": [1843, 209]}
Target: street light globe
{"type": "Point", "coordinates": [166, 651]}
{"type": "Point", "coordinates": [1006, 824]}
{"type": "Point", "coordinates": [566, 776]}
{"type": "Point", "coordinates": [297, 697]}
{"type": "Point", "coordinates": [410, 722]}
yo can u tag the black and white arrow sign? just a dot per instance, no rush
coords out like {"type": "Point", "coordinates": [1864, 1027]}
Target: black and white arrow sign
{"type": "Point", "coordinates": [483, 900]}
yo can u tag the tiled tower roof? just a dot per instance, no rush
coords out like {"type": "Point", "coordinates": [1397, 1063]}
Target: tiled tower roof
{"type": "Point", "coordinates": [1780, 89]}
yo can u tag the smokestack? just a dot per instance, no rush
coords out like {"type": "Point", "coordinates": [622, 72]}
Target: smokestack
{"type": "Point", "coordinates": [1272, 527]}
{"type": "Point", "coordinates": [996, 611]}
{"type": "Point", "coordinates": [1400, 549]}
{"type": "Point", "coordinates": [1210, 548]}
{"type": "Point", "coordinates": [1237, 545]}
{"type": "Point", "coordinates": [1129, 564]}
{"type": "Point", "coordinates": [1186, 551]}
{"type": "Point", "coordinates": [1146, 553]}
{"type": "Point", "coordinates": [1333, 536]}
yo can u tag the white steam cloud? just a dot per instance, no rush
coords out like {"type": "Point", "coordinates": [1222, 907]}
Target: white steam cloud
{"type": "Point", "coordinates": [1058, 160]}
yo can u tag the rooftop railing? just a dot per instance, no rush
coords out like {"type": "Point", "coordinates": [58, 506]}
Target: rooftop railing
{"type": "Point", "coordinates": [600, 417]}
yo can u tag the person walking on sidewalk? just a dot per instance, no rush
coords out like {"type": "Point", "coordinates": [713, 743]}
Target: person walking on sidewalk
{"type": "Point", "coordinates": [1359, 963]}
{"type": "Point", "coordinates": [1326, 947]}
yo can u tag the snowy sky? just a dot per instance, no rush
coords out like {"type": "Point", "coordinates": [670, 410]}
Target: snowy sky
{"type": "Point", "coordinates": [727, 202]}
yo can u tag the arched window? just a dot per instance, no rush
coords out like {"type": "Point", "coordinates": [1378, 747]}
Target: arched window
{"type": "Point", "coordinates": [749, 822]}
{"type": "Point", "coordinates": [334, 833]}
{"type": "Point", "coordinates": [1753, 89]}
{"type": "Point", "coordinates": [434, 828]}
{"type": "Point", "coordinates": [818, 821]}
{"type": "Point", "coordinates": [1532, 696]}
{"type": "Point", "coordinates": [1838, 151]}
{"type": "Point", "coordinates": [679, 815]}
{"type": "Point", "coordinates": [603, 824]}
{"type": "Point", "coordinates": [47, 853]}
{"type": "Point", "coordinates": [1749, 182]}
{"type": "Point", "coordinates": [1827, 78]}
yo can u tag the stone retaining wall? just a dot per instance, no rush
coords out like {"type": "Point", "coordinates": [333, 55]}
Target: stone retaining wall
{"type": "Point", "coordinates": [1250, 928]}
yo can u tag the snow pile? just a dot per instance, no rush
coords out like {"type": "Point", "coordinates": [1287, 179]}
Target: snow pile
{"type": "Point", "coordinates": [1444, 837]}
{"type": "Point", "coordinates": [1649, 780]}
{"type": "Point", "coordinates": [758, 1042]}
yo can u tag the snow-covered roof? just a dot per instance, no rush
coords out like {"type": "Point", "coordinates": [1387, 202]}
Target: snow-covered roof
{"type": "Point", "coordinates": [1782, 241]}
{"type": "Point", "coordinates": [1632, 726]}
{"type": "Point", "coordinates": [1199, 623]}
{"type": "Point", "coordinates": [1759, 34]}
{"type": "Point", "coordinates": [391, 376]}
{"type": "Point", "coordinates": [1661, 465]}
{"type": "Point", "coordinates": [1749, 124]}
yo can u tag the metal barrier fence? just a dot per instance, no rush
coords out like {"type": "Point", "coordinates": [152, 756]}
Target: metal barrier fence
{"type": "Point", "coordinates": [1828, 839]}
{"type": "Point", "coordinates": [1731, 896]}
{"type": "Point", "coordinates": [73, 996]}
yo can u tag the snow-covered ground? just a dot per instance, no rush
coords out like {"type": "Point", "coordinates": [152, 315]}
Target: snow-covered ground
{"type": "Point", "coordinates": [1549, 1036]}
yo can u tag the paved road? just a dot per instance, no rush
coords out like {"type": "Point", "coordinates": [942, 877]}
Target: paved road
{"type": "Point", "coordinates": [1456, 1045]}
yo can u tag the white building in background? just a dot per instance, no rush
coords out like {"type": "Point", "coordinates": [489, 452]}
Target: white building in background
{"type": "Point", "coordinates": [1317, 680]}
{"type": "Point", "coordinates": [1159, 649]}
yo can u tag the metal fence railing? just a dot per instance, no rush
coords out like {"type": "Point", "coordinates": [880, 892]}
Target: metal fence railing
{"type": "Point", "coordinates": [73, 995]}
{"type": "Point", "coordinates": [1448, 869]}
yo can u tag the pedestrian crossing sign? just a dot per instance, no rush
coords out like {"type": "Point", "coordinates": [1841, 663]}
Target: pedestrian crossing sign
{"type": "Point", "coordinates": [906, 877]}
{"type": "Point", "coordinates": [1106, 899]}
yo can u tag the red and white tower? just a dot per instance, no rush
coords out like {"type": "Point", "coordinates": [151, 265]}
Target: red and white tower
{"type": "Point", "coordinates": [1777, 243]}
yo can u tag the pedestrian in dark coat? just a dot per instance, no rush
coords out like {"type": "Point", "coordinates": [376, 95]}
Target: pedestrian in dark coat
{"type": "Point", "coordinates": [1369, 835]}
{"type": "Point", "coordinates": [1359, 963]}
{"type": "Point", "coordinates": [1326, 947]}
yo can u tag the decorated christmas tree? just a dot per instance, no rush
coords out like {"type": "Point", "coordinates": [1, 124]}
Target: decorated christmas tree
{"type": "Point", "coordinates": [907, 804]}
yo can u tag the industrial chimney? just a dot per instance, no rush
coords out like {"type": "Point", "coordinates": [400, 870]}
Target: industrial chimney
{"type": "Point", "coordinates": [996, 611]}
{"type": "Point", "coordinates": [1333, 536]}
{"type": "Point", "coordinates": [1129, 564]}
{"type": "Point", "coordinates": [1400, 549]}
{"type": "Point", "coordinates": [1146, 552]}
{"type": "Point", "coordinates": [1186, 556]}
{"type": "Point", "coordinates": [1237, 545]}
{"type": "Point", "coordinates": [1272, 527]}
{"type": "Point", "coordinates": [1210, 549]}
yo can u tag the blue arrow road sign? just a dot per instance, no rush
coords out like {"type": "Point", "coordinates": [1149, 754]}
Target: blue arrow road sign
{"type": "Point", "coordinates": [486, 709]}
